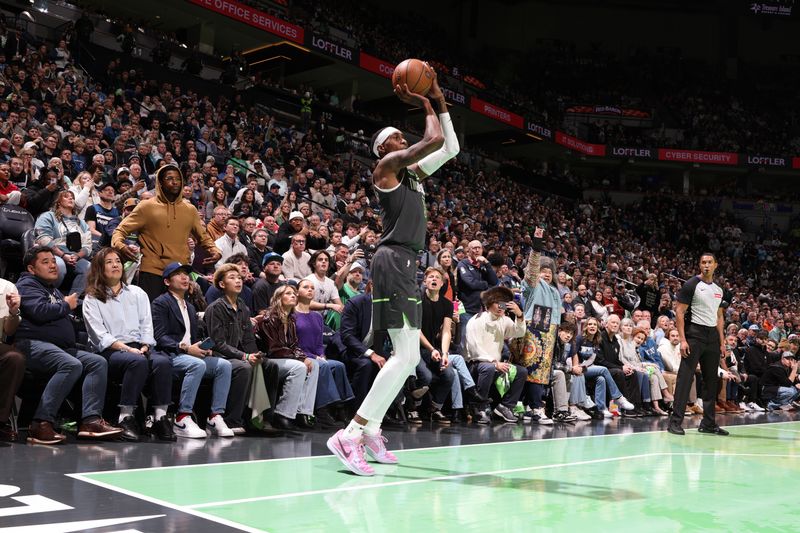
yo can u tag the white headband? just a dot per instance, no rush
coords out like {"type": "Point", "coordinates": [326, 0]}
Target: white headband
{"type": "Point", "coordinates": [381, 138]}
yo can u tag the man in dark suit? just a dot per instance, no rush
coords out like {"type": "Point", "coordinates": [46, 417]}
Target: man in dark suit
{"type": "Point", "coordinates": [190, 359]}
{"type": "Point", "coordinates": [363, 363]}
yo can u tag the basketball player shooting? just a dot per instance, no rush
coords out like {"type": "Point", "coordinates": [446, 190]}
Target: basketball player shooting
{"type": "Point", "coordinates": [396, 303]}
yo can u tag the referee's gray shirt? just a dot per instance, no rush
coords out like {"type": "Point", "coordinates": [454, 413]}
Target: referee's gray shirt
{"type": "Point", "coordinates": [703, 299]}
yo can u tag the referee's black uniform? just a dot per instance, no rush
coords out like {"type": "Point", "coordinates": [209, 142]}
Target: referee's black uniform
{"type": "Point", "coordinates": [700, 327]}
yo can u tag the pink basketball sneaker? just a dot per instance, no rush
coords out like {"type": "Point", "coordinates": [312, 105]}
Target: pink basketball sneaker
{"type": "Point", "coordinates": [376, 448]}
{"type": "Point", "coordinates": [351, 453]}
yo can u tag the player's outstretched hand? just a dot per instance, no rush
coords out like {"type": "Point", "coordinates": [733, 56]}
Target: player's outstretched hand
{"type": "Point", "coordinates": [435, 92]}
{"type": "Point", "coordinates": [408, 97]}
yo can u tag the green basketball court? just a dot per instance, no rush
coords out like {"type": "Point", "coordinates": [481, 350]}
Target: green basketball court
{"type": "Point", "coordinates": [642, 482]}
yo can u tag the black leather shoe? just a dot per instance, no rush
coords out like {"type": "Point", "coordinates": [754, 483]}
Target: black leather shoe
{"type": "Point", "coordinates": [130, 429]}
{"type": "Point", "coordinates": [675, 429]}
{"type": "Point", "coordinates": [305, 421]}
{"type": "Point", "coordinates": [162, 429]}
{"type": "Point", "coordinates": [282, 423]}
{"type": "Point", "coordinates": [438, 417]}
{"type": "Point", "coordinates": [716, 430]}
{"type": "Point", "coordinates": [325, 420]}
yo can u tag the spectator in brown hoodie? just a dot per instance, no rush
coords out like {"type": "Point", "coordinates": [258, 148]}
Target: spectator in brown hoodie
{"type": "Point", "coordinates": [164, 224]}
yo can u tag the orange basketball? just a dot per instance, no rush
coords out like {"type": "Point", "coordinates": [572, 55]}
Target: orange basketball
{"type": "Point", "coordinates": [414, 73]}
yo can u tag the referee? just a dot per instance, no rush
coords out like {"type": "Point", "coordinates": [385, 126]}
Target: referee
{"type": "Point", "coordinates": [700, 322]}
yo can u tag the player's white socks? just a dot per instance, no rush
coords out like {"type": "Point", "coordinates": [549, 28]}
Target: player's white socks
{"type": "Point", "coordinates": [373, 427]}
{"type": "Point", "coordinates": [354, 430]}
{"type": "Point", "coordinates": [393, 375]}
{"type": "Point", "coordinates": [159, 411]}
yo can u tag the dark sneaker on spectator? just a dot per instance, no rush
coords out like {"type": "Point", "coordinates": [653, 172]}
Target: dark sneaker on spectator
{"type": "Point", "coordinates": [438, 417]}
{"type": "Point", "coordinates": [482, 417]}
{"type": "Point", "coordinates": [413, 417]}
{"type": "Point", "coordinates": [716, 430]}
{"type": "Point", "coordinates": [282, 423]}
{"type": "Point", "coordinates": [325, 420]}
{"type": "Point", "coordinates": [473, 396]}
{"type": "Point", "coordinates": [162, 429]}
{"type": "Point", "coordinates": [675, 429]}
{"type": "Point", "coordinates": [98, 429]}
{"type": "Point", "coordinates": [648, 411]}
{"type": "Point", "coordinates": [504, 413]}
{"type": "Point", "coordinates": [7, 433]}
{"type": "Point", "coordinates": [419, 392]}
{"type": "Point", "coordinates": [564, 417]}
{"type": "Point", "coordinates": [305, 421]}
{"type": "Point", "coordinates": [43, 433]}
{"type": "Point", "coordinates": [130, 429]}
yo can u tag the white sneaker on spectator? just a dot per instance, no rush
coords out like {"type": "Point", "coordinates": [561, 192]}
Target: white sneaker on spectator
{"type": "Point", "coordinates": [217, 426]}
{"type": "Point", "coordinates": [187, 428]}
{"type": "Point", "coordinates": [579, 413]}
{"type": "Point", "coordinates": [607, 414]}
{"type": "Point", "coordinates": [755, 407]}
{"type": "Point", "coordinates": [743, 406]}
{"type": "Point", "coordinates": [624, 404]}
{"type": "Point", "coordinates": [588, 403]}
{"type": "Point", "coordinates": [541, 417]}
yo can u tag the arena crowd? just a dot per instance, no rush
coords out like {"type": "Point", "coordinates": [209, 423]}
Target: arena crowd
{"type": "Point", "coordinates": [184, 236]}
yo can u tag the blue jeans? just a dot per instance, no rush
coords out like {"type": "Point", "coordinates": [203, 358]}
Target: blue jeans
{"type": "Point", "coordinates": [193, 369]}
{"type": "Point", "coordinates": [65, 369]}
{"type": "Point", "coordinates": [603, 380]}
{"type": "Point", "coordinates": [298, 388]}
{"type": "Point", "coordinates": [463, 378]}
{"type": "Point", "coordinates": [577, 389]}
{"type": "Point", "coordinates": [785, 396]}
{"type": "Point", "coordinates": [81, 271]}
{"type": "Point", "coordinates": [332, 385]}
{"type": "Point", "coordinates": [644, 386]}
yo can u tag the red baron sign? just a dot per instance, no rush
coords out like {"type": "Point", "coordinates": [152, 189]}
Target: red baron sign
{"type": "Point", "coordinates": [796, 162]}
{"type": "Point", "coordinates": [497, 113]}
{"type": "Point", "coordinates": [253, 17]}
{"type": "Point", "coordinates": [694, 156]}
{"type": "Point", "coordinates": [378, 66]}
{"type": "Point", "coordinates": [578, 145]}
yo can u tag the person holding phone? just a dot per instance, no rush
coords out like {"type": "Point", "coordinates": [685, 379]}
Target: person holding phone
{"type": "Point", "coordinates": [176, 330]}
{"type": "Point", "coordinates": [70, 239]}
{"type": "Point", "coordinates": [120, 328]}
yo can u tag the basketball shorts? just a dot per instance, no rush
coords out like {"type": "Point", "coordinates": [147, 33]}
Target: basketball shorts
{"type": "Point", "coordinates": [396, 301]}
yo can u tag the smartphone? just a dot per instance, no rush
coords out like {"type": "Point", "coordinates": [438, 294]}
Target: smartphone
{"type": "Point", "coordinates": [502, 305]}
{"type": "Point", "coordinates": [207, 344]}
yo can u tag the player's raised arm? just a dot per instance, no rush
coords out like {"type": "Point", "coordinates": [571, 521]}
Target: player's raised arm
{"type": "Point", "coordinates": [385, 174]}
{"type": "Point", "coordinates": [433, 162]}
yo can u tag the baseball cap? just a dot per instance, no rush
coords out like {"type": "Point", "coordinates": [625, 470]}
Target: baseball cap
{"type": "Point", "coordinates": [356, 266]}
{"type": "Point", "coordinates": [754, 327]}
{"type": "Point", "coordinates": [296, 214]}
{"type": "Point", "coordinates": [120, 170]}
{"type": "Point", "coordinates": [272, 256]}
{"type": "Point", "coordinates": [171, 268]}
{"type": "Point", "coordinates": [130, 202]}
{"type": "Point", "coordinates": [274, 186]}
{"type": "Point", "coordinates": [105, 185]}
{"type": "Point", "coordinates": [788, 354]}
